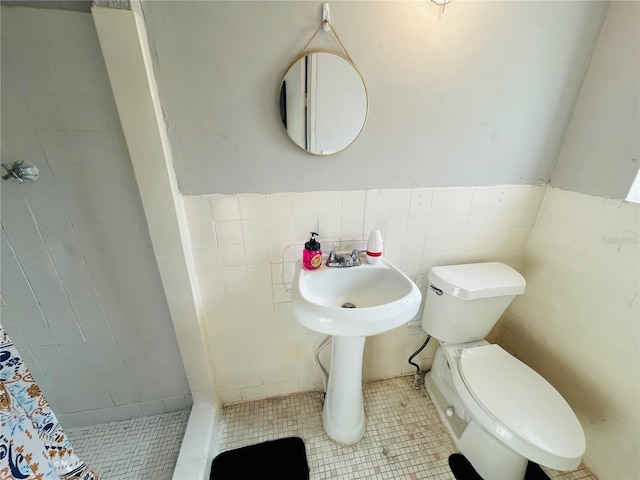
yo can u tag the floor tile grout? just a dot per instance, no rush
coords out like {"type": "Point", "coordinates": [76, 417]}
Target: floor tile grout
{"type": "Point", "coordinates": [405, 438]}
{"type": "Point", "coordinates": [144, 448]}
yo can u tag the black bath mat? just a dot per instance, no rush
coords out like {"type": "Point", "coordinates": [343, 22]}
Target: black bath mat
{"type": "Point", "coordinates": [463, 470]}
{"type": "Point", "coordinates": [284, 459]}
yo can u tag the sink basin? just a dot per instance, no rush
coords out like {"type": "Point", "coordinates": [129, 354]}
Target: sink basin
{"type": "Point", "coordinates": [357, 301]}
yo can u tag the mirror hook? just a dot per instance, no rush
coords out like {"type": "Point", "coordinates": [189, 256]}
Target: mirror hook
{"type": "Point", "coordinates": [326, 18]}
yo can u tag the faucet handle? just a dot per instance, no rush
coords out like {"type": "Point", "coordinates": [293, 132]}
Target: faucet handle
{"type": "Point", "coordinates": [354, 259]}
{"type": "Point", "coordinates": [335, 260]}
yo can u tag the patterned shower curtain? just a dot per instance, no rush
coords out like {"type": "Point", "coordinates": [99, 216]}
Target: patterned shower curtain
{"type": "Point", "coordinates": [32, 443]}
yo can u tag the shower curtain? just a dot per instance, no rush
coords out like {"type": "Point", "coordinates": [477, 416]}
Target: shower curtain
{"type": "Point", "coordinates": [32, 443]}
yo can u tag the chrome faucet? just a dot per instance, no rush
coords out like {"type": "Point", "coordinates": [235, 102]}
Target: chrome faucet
{"type": "Point", "coordinates": [343, 261]}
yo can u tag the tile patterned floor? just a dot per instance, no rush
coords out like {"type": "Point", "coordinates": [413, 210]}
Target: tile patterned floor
{"type": "Point", "coordinates": [404, 439]}
{"type": "Point", "coordinates": [143, 448]}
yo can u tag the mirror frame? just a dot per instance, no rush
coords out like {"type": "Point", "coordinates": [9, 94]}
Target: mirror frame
{"type": "Point", "coordinates": [366, 95]}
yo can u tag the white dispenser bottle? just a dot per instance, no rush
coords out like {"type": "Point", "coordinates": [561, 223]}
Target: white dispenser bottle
{"type": "Point", "coordinates": [374, 247]}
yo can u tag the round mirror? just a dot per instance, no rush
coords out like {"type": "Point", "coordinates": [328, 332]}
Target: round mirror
{"type": "Point", "coordinates": [323, 102]}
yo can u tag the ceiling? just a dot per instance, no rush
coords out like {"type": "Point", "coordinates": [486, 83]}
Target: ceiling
{"type": "Point", "coordinates": [75, 5]}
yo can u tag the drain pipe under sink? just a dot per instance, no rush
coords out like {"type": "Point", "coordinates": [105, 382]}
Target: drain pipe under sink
{"type": "Point", "coordinates": [325, 374]}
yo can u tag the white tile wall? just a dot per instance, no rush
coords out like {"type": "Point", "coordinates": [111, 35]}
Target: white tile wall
{"type": "Point", "coordinates": [246, 246]}
{"type": "Point", "coordinates": [578, 321]}
{"type": "Point", "coordinates": [82, 297]}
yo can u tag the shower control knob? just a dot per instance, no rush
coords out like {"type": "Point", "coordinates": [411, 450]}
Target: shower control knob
{"type": "Point", "coordinates": [450, 411]}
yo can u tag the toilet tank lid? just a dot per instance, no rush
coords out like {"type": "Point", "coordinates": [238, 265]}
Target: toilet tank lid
{"type": "Point", "coordinates": [477, 280]}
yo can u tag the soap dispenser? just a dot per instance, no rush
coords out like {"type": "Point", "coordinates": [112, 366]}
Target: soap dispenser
{"type": "Point", "coordinates": [374, 247]}
{"type": "Point", "coordinates": [312, 255]}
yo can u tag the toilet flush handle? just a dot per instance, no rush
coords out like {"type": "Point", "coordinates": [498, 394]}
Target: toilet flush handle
{"type": "Point", "coordinates": [435, 289]}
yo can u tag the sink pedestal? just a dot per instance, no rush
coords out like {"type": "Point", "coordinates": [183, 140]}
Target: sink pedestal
{"type": "Point", "coordinates": [343, 415]}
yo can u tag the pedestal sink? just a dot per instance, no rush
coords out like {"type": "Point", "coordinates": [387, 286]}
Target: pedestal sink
{"type": "Point", "coordinates": [351, 304]}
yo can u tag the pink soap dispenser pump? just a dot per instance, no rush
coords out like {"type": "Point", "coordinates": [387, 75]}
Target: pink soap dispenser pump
{"type": "Point", "coordinates": [312, 255]}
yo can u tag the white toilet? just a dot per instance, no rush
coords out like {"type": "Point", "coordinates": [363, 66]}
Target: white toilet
{"type": "Point", "coordinates": [500, 412]}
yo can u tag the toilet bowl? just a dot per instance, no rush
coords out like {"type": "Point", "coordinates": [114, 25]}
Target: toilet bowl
{"type": "Point", "coordinates": [499, 411]}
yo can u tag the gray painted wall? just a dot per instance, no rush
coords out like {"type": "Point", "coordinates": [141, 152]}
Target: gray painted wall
{"type": "Point", "coordinates": [478, 95]}
{"type": "Point", "coordinates": [601, 151]}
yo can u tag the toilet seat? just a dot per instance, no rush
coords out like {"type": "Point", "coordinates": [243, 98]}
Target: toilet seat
{"type": "Point", "coordinates": [520, 407]}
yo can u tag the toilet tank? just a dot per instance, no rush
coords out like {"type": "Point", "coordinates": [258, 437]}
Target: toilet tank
{"type": "Point", "coordinates": [464, 302]}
